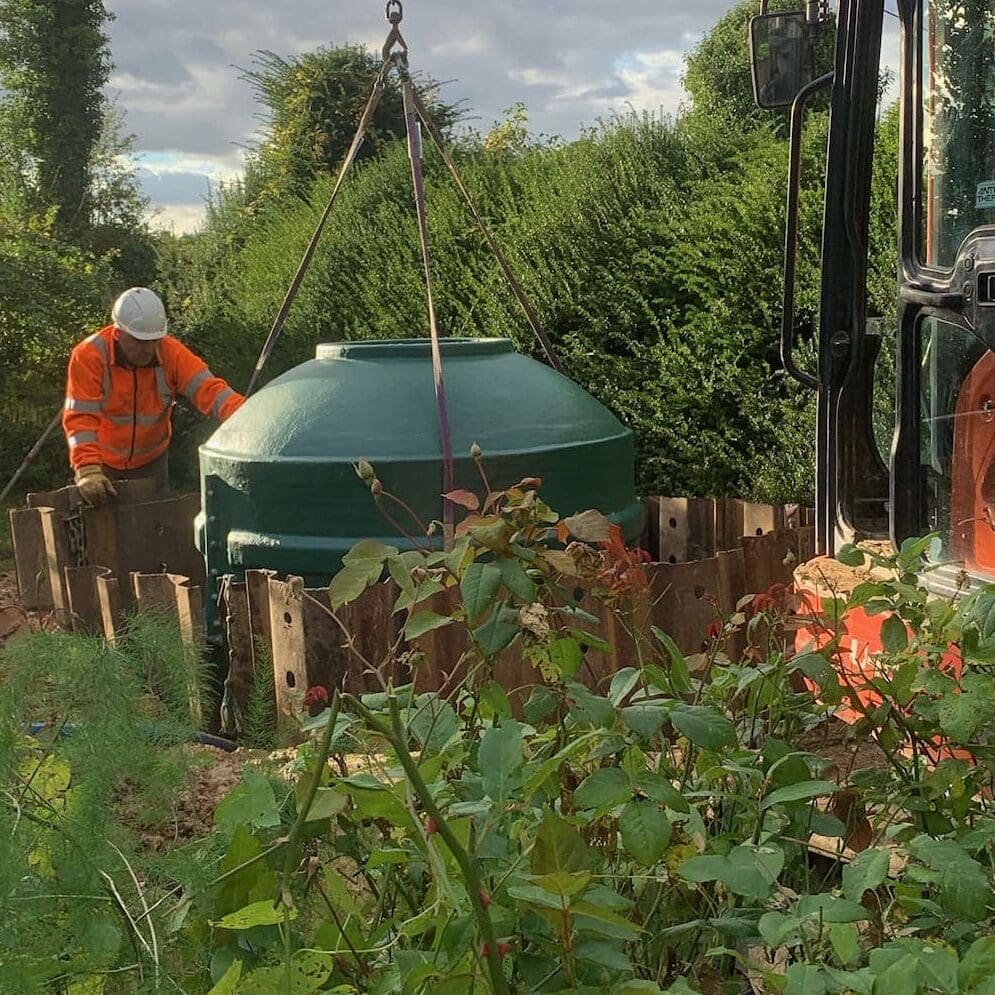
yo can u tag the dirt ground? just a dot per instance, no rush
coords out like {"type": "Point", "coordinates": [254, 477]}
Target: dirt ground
{"type": "Point", "coordinates": [824, 575]}
{"type": "Point", "coordinates": [213, 774]}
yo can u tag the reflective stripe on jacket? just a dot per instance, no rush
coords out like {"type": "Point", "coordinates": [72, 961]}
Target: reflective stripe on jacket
{"type": "Point", "coordinates": [119, 415]}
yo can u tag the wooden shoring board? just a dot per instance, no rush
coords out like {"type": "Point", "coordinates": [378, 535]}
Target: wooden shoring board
{"type": "Point", "coordinates": [687, 529]}
{"type": "Point", "coordinates": [374, 628]}
{"type": "Point", "coordinates": [176, 599]}
{"type": "Point", "coordinates": [684, 598]}
{"type": "Point", "coordinates": [67, 499]}
{"type": "Point", "coordinates": [153, 537]}
{"type": "Point", "coordinates": [174, 596]}
{"type": "Point", "coordinates": [31, 559]}
{"type": "Point", "coordinates": [56, 558]}
{"type": "Point", "coordinates": [260, 629]}
{"type": "Point", "coordinates": [109, 596]}
{"type": "Point", "coordinates": [240, 675]}
{"type": "Point", "coordinates": [290, 677]}
{"type": "Point", "coordinates": [131, 534]}
{"type": "Point", "coordinates": [651, 537]}
{"type": "Point", "coordinates": [84, 599]}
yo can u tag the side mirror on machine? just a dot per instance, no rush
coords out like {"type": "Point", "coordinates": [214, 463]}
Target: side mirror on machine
{"type": "Point", "coordinates": [781, 55]}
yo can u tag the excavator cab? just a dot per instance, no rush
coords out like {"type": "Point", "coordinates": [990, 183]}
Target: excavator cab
{"type": "Point", "coordinates": [940, 473]}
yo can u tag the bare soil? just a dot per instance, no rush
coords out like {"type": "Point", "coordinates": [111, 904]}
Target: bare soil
{"type": "Point", "coordinates": [212, 774]}
{"type": "Point", "coordinates": [824, 575]}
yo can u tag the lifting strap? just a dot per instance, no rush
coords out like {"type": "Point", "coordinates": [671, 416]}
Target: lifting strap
{"type": "Point", "coordinates": [418, 183]}
{"type": "Point", "coordinates": [514, 285]}
{"type": "Point", "coordinates": [364, 122]}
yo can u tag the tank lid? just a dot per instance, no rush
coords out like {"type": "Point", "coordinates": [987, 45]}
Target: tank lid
{"type": "Point", "coordinates": [412, 348]}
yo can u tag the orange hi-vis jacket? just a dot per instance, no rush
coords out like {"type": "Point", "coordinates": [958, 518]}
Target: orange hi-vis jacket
{"type": "Point", "coordinates": [119, 415]}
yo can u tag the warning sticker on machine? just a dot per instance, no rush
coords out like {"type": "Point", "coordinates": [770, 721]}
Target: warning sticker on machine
{"type": "Point", "coordinates": [986, 195]}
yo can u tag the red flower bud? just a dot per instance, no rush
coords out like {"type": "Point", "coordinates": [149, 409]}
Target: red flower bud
{"type": "Point", "coordinates": [316, 700]}
{"type": "Point", "coordinates": [485, 899]}
{"type": "Point", "coordinates": [504, 949]}
{"type": "Point", "coordinates": [485, 950]}
{"type": "Point", "coordinates": [431, 826]}
{"type": "Point", "coordinates": [715, 630]}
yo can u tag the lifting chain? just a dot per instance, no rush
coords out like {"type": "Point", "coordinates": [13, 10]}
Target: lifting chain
{"type": "Point", "coordinates": [395, 40]}
{"type": "Point", "coordinates": [76, 538]}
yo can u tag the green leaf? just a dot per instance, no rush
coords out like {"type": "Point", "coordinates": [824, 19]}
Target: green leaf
{"type": "Point", "coordinates": [541, 704]}
{"type": "Point", "coordinates": [851, 556]}
{"type": "Point", "coordinates": [845, 940]}
{"type": "Point", "coordinates": [637, 986]}
{"type": "Point", "coordinates": [777, 929]}
{"type": "Point", "coordinates": [264, 913]}
{"type": "Point", "coordinates": [830, 909]}
{"type": "Point", "coordinates": [590, 709]}
{"type": "Point", "coordinates": [606, 787]}
{"type": "Point", "coordinates": [865, 873]}
{"type": "Point", "coordinates": [252, 803]}
{"type": "Point", "coordinates": [516, 580]}
{"type": "Point", "coordinates": [566, 656]}
{"type": "Point", "coordinates": [228, 985]}
{"type": "Point", "coordinates": [422, 622]}
{"type": "Point", "coordinates": [899, 977]}
{"type": "Point", "coordinates": [479, 586]}
{"type": "Point", "coordinates": [805, 979]}
{"type": "Point", "coordinates": [559, 847]}
{"type": "Point", "coordinates": [978, 964]}
{"type": "Point", "coordinates": [369, 551]}
{"type": "Point", "coordinates": [433, 723]}
{"type": "Point", "coordinates": [532, 894]}
{"type": "Point", "coordinates": [746, 871]}
{"type": "Point", "coordinates": [963, 714]}
{"type": "Point", "coordinates": [660, 788]}
{"type": "Point", "coordinates": [599, 919]}
{"type": "Point", "coordinates": [803, 791]}
{"type": "Point", "coordinates": [938, 969]}
{"type": "Point", "coordinates": [964, 886]}
{"type": "Point", "coordinates": [350, 582]}
{"type": "Point", "coordinates": [309, 970]}
{"type": "Point", "coordinates": [645, 831]}
{"type": "Point", "coordinates": [500, 757]}
{"type": "Point", "coordinates": [327, 802]}
{"type": "Point", "coordinates": [645, 720]}
{"type": "Point", "coordinates": [564, 883]}
{"type": "Point", "coordinates": [679, 667]}
{"type": "Point", "coordinates": [497, 633]}
{"type": "Point", "coordinates": [704, 726]}
{"type": "Point", "coordinates": [894, 635]}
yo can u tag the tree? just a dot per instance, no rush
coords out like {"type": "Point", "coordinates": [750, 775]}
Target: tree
{"type": "Point", "coordinates": [718, 75]}
{"type": "Point", "coordinates": [54, 62]}
{"type": "Point", "coordinates": [312, 104]}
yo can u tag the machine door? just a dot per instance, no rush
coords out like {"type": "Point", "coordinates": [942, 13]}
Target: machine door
{"type": "Point", "coordinates": [943, 458]}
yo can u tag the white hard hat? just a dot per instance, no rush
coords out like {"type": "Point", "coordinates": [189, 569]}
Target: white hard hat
{"type": "Point", "coordinates": [140, 313]}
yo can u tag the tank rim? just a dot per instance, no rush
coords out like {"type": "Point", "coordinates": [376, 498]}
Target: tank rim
{"type": "Point", "coordinates": [412, 348]}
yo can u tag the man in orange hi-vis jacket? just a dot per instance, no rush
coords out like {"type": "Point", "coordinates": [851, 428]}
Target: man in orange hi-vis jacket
{"type": "Point", "coordinates": [120, 391]}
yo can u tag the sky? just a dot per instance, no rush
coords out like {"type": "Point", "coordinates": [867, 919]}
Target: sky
{"type": "Point", "coordinates": [177, 68]}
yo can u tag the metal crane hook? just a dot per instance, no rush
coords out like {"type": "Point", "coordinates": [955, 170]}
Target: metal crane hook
{"type": "Point", "coordinates": [394, 12]}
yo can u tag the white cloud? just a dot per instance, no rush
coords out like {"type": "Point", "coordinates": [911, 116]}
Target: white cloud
{"type": "Point", "coordinates": [177, 82]}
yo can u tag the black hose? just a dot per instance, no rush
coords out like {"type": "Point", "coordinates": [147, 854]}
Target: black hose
{"type": "Point", "coordinates": [203, 738]}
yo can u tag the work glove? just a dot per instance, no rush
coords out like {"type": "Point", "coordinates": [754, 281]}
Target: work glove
{"type": "Point", "coordinates": [95, 487]}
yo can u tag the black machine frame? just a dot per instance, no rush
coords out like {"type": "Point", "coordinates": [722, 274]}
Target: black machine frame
{"type": "Point", "coordinates": [857, 494]}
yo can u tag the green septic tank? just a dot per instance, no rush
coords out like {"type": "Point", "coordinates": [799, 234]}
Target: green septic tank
{"type": "Point", "coordinates": [278, 484]}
